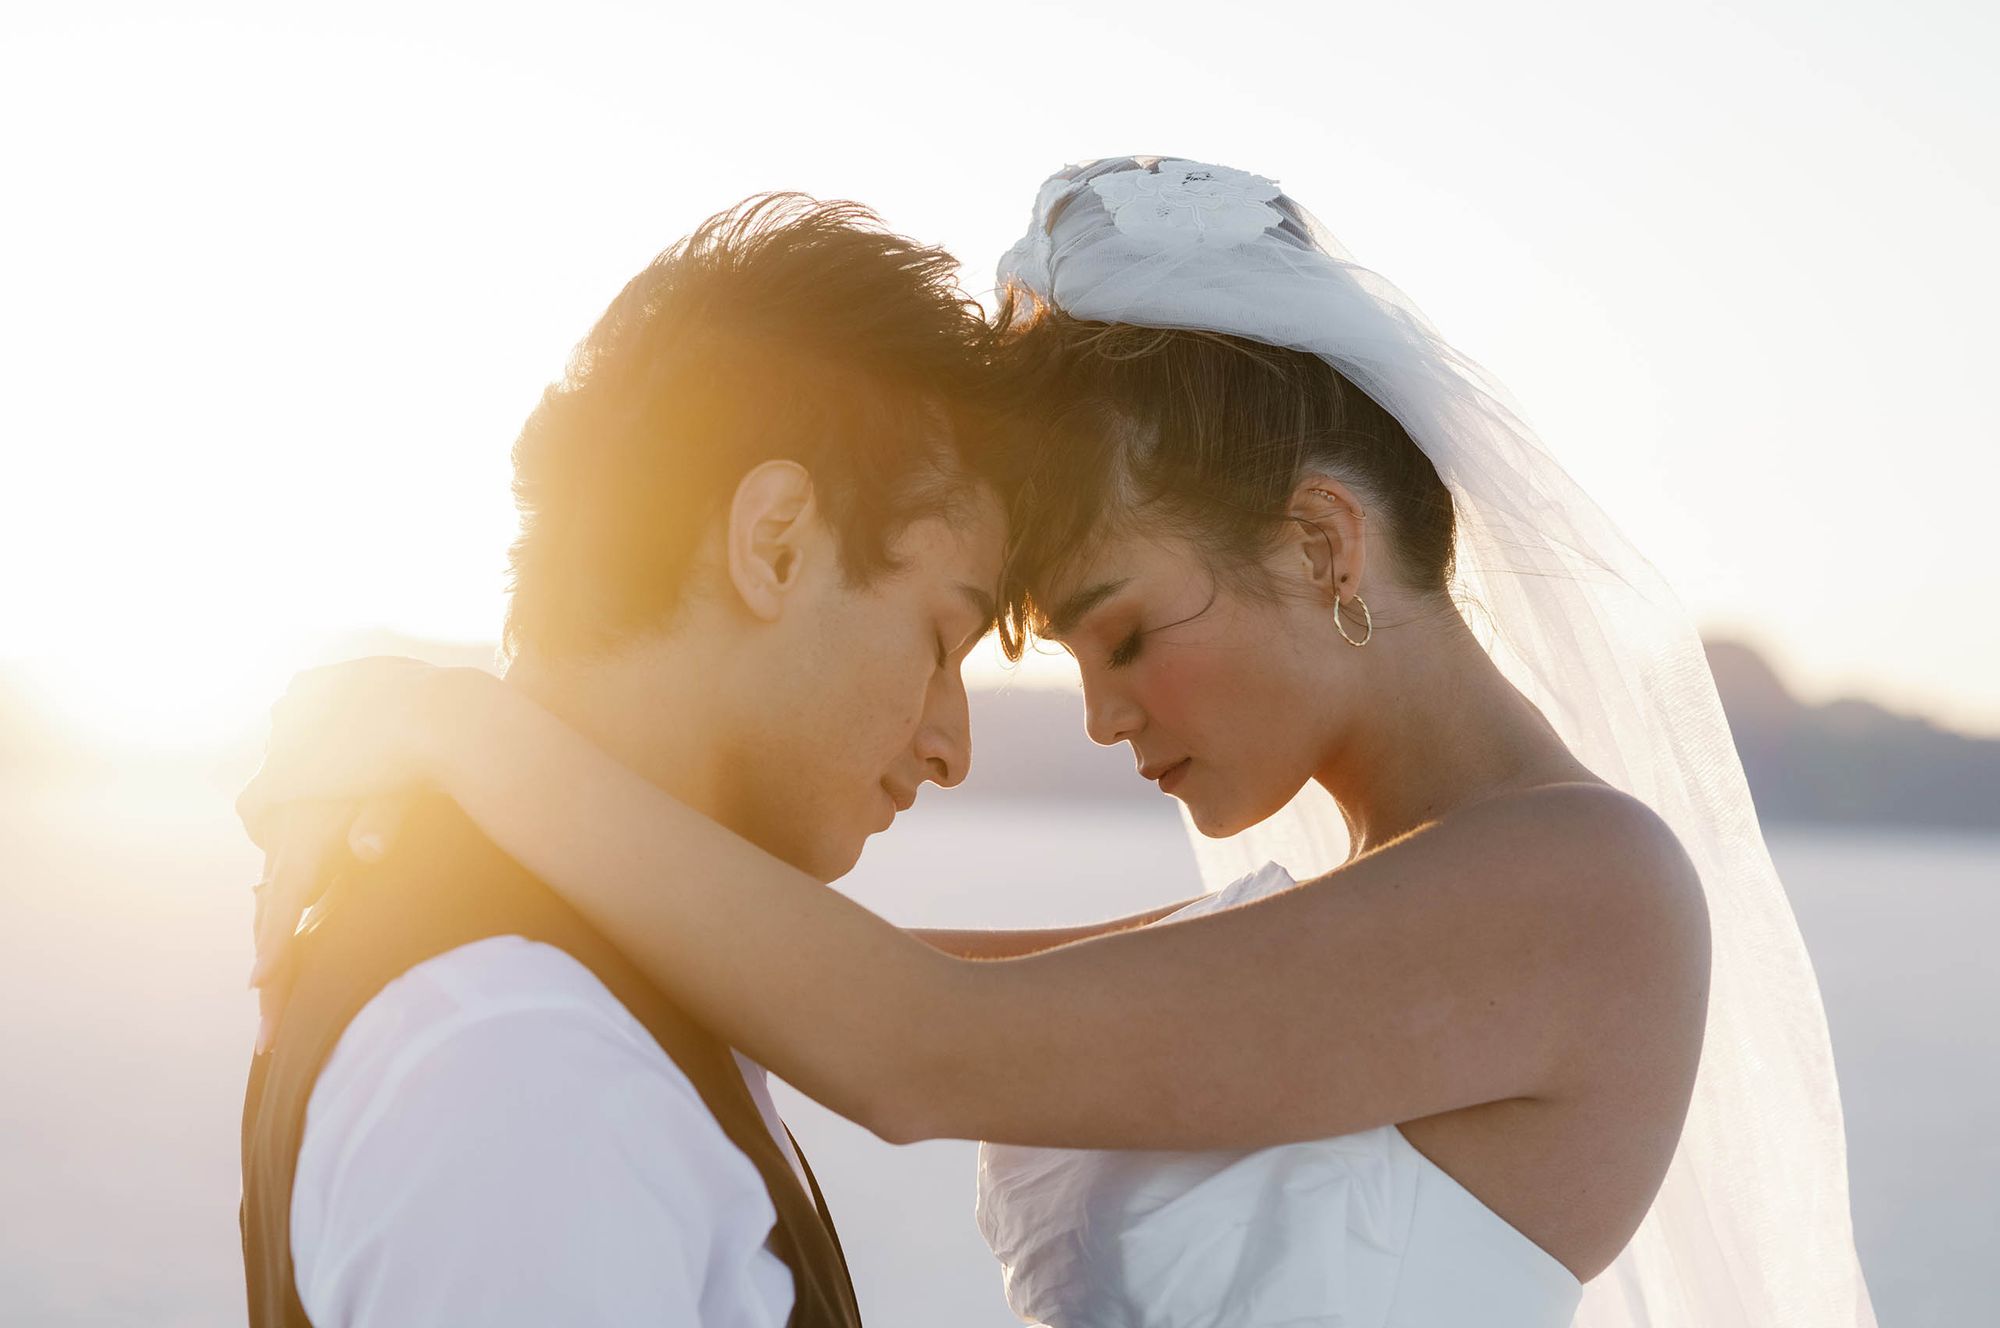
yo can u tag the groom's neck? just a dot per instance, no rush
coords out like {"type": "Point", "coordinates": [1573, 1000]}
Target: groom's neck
{"type": "Point", "coordinates": [646, 707]}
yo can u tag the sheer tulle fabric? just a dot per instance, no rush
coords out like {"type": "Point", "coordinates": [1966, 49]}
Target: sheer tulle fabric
{"type": "Point", "coordinates": [1752, 1227]}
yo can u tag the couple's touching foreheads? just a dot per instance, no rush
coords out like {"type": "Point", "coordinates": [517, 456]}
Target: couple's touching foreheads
{"type": "Point", "coordinates": [1544, 1047]}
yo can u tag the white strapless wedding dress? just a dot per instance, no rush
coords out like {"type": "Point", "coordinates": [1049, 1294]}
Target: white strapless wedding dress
{"type": "Point", "coordinates": [1359, 1231]}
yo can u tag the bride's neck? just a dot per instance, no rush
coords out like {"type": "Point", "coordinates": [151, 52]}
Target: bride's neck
{"type": "Point", "coordinates": [1441, 728]}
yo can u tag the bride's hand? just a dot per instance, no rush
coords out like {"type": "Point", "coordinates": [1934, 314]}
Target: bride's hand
{"type": "Point", "coordinates": [308, 846]}
{"type": "Point", "coordinates": [366, 728]}
{"type": "Point", "coordinates": [348, 745]}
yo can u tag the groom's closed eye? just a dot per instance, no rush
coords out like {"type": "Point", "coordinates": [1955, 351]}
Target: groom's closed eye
{"type": "Point", "coordinates": [977, 622]}
{"type": "Point", "coordinates": [985, 614]}
{"type": "Point", "coordinates": [941, 636]}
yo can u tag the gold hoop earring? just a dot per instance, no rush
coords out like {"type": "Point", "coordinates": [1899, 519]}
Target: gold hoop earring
{"type": "Point", "coordinates": [1367, 621]}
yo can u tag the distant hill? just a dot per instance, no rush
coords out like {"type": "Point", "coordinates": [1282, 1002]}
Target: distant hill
{"type": "Point", "coordinates": [1847, 762]}
{"type": "Point", "coordinates": [1851, 761]}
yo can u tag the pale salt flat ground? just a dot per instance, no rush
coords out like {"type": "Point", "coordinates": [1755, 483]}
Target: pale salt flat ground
{"type": "Point", "coordinates": [124, 1030]}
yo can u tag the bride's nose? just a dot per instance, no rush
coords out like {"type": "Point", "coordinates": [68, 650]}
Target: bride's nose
{"type": "Point", "coordinates": [1109, 716]}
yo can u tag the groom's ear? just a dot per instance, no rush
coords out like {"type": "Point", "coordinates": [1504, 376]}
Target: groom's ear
{"type": "Point", "coordinates": [769, 520]}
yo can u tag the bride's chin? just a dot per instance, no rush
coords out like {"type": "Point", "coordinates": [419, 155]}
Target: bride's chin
{"type": "Point", "coordinates": [1219, 818]}
{"type": "Point", "coordinates": [1214, 822]}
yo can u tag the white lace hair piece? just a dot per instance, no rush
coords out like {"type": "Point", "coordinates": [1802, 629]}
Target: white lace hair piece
{"type": "Point", "coordinates": [1752, 1226]}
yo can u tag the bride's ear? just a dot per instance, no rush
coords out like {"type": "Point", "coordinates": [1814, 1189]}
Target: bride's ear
{"type": "Point", "coordinates": [1326, 543]}
{"type": "Point", "coordinates": [770, 520]}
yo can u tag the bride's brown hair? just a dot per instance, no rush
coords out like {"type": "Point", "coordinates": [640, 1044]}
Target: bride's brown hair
{"type": "Point", "coordinates": [1194, 433]}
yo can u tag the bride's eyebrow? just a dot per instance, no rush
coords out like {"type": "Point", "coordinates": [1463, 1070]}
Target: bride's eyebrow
{"type": "Point", "coordinates": [1074, 609]}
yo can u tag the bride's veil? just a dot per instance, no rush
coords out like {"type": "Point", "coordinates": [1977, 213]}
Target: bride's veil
{"type": "Point", "coordinates": [1751, 1228]}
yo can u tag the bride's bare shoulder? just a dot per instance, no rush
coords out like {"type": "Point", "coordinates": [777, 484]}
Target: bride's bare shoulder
{"type": "Point", "coordinates": [1585, 811]}
{"type": "Point", "coordinates": [1581, 862]}
{"type": "Point", "coordinates": [1603, 853]}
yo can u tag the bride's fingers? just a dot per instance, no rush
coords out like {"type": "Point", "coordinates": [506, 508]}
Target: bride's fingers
{"type": "Point", "coordinates": [311, 841]}
{"type": "Point", "coordinates": [295, 878]}
{"type": "Point", "coordinates": [271, 998]}
{"type": "Point", "coordinates": [278, 913]}
{"type": "Point", "coordinates": [253, 809]}
{"type": "Point", "coordinates": [284, 777]}
{"type": "Point", "coordinates": [257, 893]}
{"type": "Point", "coordinates": [375, 828]}
{"type": "Point", "coordinates": [267, 804]}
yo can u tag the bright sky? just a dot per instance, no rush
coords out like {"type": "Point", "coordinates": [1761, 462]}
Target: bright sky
{"type": "Point", "coordinates": [277, 288]}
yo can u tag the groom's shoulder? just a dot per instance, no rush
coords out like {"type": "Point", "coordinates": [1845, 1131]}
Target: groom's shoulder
{"type": "Point", "coordinates": [498, 1097]}
{"type": "Point", "coordinates": [449, 964]}
{"type": "Point", "coordinates": [449, 922]}
{"type": "Point", "coordinates": [516, 1043]}
{"type": "Point", "coordinates": [507, 981]}
{"type": "Point", "coordinates": [501, 1011]}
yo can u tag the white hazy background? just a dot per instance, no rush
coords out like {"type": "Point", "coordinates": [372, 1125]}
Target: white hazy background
{"type": "Point", "coordinates": [277, 287]}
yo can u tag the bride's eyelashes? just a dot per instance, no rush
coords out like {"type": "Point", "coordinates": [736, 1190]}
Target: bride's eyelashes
{"type": "Point", "coordinates": [1128, 649]}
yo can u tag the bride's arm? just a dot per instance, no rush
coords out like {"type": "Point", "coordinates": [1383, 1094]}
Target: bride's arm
{"type": "Point", "coordinates": [1456, 967]}
{"type": "Point", "coordinates": [532, 784]}
{"type": "Point", "coordinates": [977, 943]}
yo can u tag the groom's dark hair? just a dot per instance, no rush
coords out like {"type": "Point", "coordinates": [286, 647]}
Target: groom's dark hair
{"type": "Point", "coordinates": [782, 328]}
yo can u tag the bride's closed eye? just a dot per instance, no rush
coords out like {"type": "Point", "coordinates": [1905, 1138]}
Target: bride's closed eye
{"type": "Point", "coordinates": [1127, 651]}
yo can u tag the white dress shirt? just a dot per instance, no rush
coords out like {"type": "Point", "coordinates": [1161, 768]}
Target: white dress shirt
{"type": "Point", "coordinates": [497, 1140]}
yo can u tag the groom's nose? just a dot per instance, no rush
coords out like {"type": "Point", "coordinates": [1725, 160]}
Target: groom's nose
{"type": "Point", "coordinates": [944, 740]}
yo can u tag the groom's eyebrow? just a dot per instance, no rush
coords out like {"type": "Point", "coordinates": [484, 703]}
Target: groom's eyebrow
{"type": "Point", "coordinates": [1073, 610]}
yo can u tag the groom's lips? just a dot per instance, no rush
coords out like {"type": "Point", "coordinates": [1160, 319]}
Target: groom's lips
{"type": "Point", "coordinates": [1169, 777]}
{"type": "Point", "coordinates": [886, 817]}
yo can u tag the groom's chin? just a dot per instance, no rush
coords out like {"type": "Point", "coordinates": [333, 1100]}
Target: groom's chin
{"type": "Point", "coordinates": [842, 863]}
{"type": "Point", "coordinates": [822, 853]}
{"type": "Point", "coordinates": [832, 857]}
